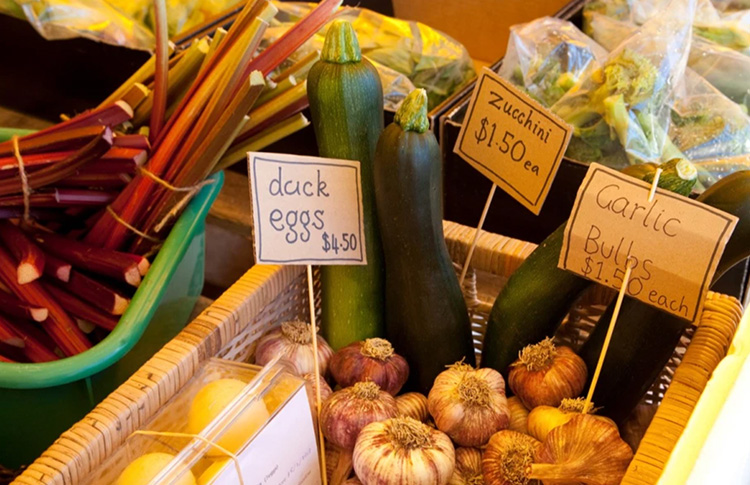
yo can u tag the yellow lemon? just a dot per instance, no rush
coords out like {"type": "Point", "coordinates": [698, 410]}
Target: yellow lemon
{"type": "Point", "coordinates": [142, 470]}
{"type": "Point", "coordinates": [280, 391]}
{"type": "Point", "coordinates": [211, 400]}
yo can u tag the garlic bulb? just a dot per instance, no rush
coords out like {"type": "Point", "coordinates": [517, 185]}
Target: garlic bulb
{"type": "Point", "coordinates": [345, 413]}
{"type": "Point", "coordinates": [543, 419]}
{"type": "Point", "coordinates": [293, 341]}
{"type": "Point", "coordinates": [468, 469]}
{"type": "Point", "coordinates": [518, 415]}
{"type": "Point", "coordinates": [469, 404]}
{"type": "Point", "coordinates": [413, 405]}
{"type": "Point", "coordinates": [370, 360]}
{"type": "Point", "coordinates": [507, 458]}
{"type": "Point", "coordinates": [403, 450]}
{"type": "Point", "coordinates": [585, 449]}
{"type": "Point", "coordinates": [349, 410]}
{"type": "Point", "coordinates": [353, 481]}
{"type": "Point", "coordinates": [545, 374]}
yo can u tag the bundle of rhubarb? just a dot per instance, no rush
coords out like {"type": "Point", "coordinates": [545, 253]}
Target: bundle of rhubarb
{"type": "Point", "coordinates": [84, 203]}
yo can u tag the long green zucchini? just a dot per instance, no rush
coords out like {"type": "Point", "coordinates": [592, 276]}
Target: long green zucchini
{"type": "Point", "coordinates": [346, 104]}
{"type": "Point", "coordinates": [538, 295]}
{"type": "Point", "coordinates": [426, 316]}
{"type": "Point", "coordinates": [645, 338]}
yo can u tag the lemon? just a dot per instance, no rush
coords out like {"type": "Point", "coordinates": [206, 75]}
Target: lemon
{"type": "Point", "coordinates": [213, 471]}
{"type": "Point", "coordinates": [211, 401]}
{"type": "Point", "coordinates": [143, 469]}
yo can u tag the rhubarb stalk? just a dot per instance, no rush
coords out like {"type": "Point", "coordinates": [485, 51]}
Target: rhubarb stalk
{"type": "Point", "coordinates": [57, 268]}
{"type": "Point", "coordinates": [63, 329]}
{"type": "Point", "coordinates": [97, 294]}
{"type": "Point", "coordinates": [35, 350]}
{"type": "Point", "coordinates": [162, 67]}
{"type": "Point", "coordinates": [13, 307]}
{"type": "Point", "coordinates": [114, 264]}
{"type": "Point", "coordinates": [29, 258]}
{"type": "Point", "coordinates": [80, 309]}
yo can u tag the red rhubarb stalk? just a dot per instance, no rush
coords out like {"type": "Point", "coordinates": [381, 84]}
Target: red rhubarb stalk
{"type": "Point", "coordinates": [58, 141]}
{"type": "Point", "coordinates": [63, 329]}
{"type": "Point", "coordinates": [114, 264]}
{"type": "Point", "coordinates": [96, 293]}
{"type": "Point", "coordinates": [132, 141]}
{"type": "Point", "coordinates": [49, 175]}
{"type": "Point", "coordinates": [66, 197]}
{"type": "Point", "coordinates": [110, 116]}
{"type": "Point", "coordinates": [13, 307]}
{"type": "Point", "coordinates": [81, 309]}
{"type": "Point", "coordinates": [33, 348]}
{"type": "Point", "coordinates": [162, 68]}
{"type": "Point", "coordinates": [98, 181]}
{"type": "Point", "coordinates": [29, 258]}
{"type": "Point", "coordinates": [57, 268]}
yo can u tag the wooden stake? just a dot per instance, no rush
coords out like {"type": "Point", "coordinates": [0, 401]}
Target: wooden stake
{"type": "Point", "coordinates": [476, 235]}
{"type": "Point", "coordinates": [612, 322]}
{"type": "Point", "coordinates": [314, 332]}
{"type": "Point", "coordinates": [654, 185]}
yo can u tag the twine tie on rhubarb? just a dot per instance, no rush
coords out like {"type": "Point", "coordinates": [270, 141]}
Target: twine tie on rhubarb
{"type": "Point", "coordinates": [190, 191]}
{"type": "Point", "coordinates": [24, 181]}
{"type": "Point", "coordinates": [170, 434]}
{"type": "Point", "coordinates": [132, 228]}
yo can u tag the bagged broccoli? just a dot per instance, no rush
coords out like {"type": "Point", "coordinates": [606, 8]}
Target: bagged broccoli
{"type": "Point", "coordinates": [549, 56]}
{"type": "Point", "coordinates": [620, 113]}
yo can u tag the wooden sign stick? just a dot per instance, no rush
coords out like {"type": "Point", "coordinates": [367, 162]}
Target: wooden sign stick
{"type": "Point", "coordinates": [314, 334]}
{"type": "Point", "coordinates": [616, 312]}
{"type": "Point", "coordinates": [477, 234]}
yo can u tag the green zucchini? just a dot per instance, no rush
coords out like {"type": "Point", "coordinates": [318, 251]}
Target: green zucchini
{"type": "Point", "coordinates": [346, 104]}
{"type": "Point", "coordinates": [426, 316]}
{"type": "Point", "coordinates": [645, 337]}
{"type": "Point", "coordinates": [538, 295]}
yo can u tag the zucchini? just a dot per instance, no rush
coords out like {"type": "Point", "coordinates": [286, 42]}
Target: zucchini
{"type": "Point", "coordinates": [538, 295]}
{"type": "Point", "coordinates": [645, 337]}
{"type": "Point", "coordinates": [346, 104]}
{"type": "Point", "coordinates": [426, 317]}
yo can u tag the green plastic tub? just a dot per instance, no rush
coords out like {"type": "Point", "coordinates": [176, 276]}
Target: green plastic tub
{"type": "Point", "coordinates": [40, 401]}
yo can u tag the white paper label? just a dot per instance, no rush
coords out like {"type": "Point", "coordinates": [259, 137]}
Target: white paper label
{"type": "Point", "coordinates": [306, 210]}
{"type": "Point", "coordinates": [284, 452]}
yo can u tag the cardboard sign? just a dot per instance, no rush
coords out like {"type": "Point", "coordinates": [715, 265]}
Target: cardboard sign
{"type": "Point", "coordinates": [513, 140]}
{"type": "Point", "coordinates": [284, 452]}
{"type": "Point", "coordinates": [674, 243]}
{"type": "Point", "coordinates": [307, 210]}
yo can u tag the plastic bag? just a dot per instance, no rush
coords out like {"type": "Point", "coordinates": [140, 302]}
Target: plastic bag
{"type": "Point", "coordinates": [549, 56]}
{"type": "Point", "coordinates": [620, 113]}
{"type": "Point", "coordinates": [726, 69]}
{"type": "Point", "coordinates": [429, 58]}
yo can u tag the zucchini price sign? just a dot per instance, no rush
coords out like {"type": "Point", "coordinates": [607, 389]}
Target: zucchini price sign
{"type": "Point", "coordinates": [512, 140]}
{"type": "Point", "coordinates": [673, 244]}
{"type": "Point", "coordinates": [306, 210]}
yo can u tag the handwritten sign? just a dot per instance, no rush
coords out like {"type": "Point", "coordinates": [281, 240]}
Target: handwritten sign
{"type": "Point", "coordinates": [512, 140]}
{"type": "Point", "coordinates": [307, 210]}
{"type": "Point", "coordinates": [674, 243]}
{"type": "Point", "coordinates": [273, 461]}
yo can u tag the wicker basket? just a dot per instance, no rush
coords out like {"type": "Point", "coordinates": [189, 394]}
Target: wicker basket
{"type": "Point", "coordinates": [267, 295]}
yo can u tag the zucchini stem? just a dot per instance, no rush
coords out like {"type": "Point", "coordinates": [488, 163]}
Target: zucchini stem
{"type": "Point", "coordinates": [341, 45]}
{"type": "Point", "coordinates": [412, 115]}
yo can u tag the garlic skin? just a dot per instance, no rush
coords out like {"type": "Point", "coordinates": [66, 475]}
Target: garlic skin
{"type": "Point", "coordinates": [403, 450]}
{"type": "Point", "coordinates": [413, 405]}
{"type": "Point", "coordinates": [293, 341]}
{"type": "Point", "coordinates": [325, 392]}
{"type": "Point", "coordinates": [545, 374]}
{"type": "Point", "coordinates": [518, 415]}
{"type": "Point", "coordinates": [586, 450]}
{"type": "Point", "coordinates": [507, 458]}
{"type": "Point", "coordinates": [468, 469]}
{"type": "Point", "coordinates": [543, 419]}
{"type": "Point", "coordinates": [353, 481]}
{"type": "Point", "coordinates": [469, 404]}
{"type": "Point", "coordinates": [347, 411]}
{"type": "Point", "coordinates": [370, 360]}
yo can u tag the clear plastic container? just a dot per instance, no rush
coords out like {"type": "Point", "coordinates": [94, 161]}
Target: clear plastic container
{"type": "Point", "coordinates": [267, 403]}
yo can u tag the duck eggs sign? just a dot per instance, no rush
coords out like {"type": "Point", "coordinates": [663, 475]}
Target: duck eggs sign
{"type": "Point", "coordinates": [672, 243]}
{"type": "Point", "coordinates": [306, 210]}
{"type": "Point", "coordinates": [512, 140]}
